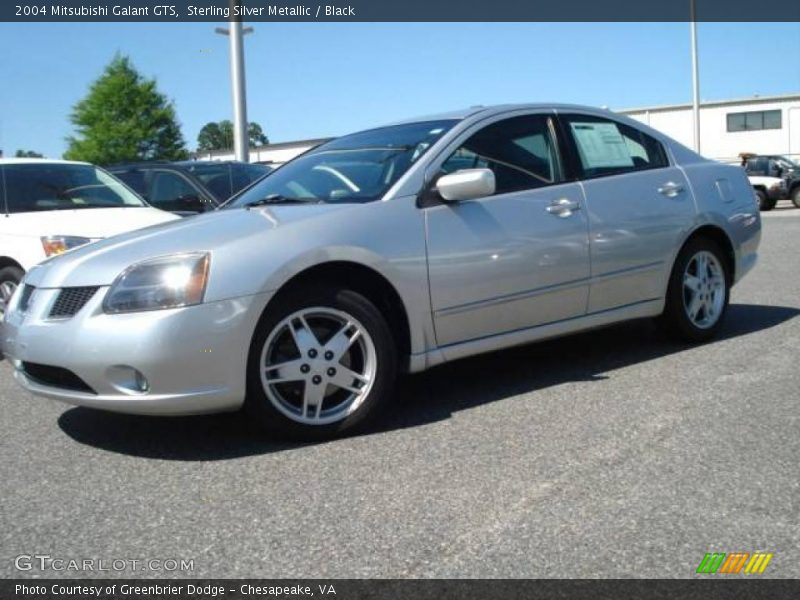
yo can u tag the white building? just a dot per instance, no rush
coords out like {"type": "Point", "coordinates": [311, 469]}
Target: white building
{"type": "Point", "coordinates": [761, 125]}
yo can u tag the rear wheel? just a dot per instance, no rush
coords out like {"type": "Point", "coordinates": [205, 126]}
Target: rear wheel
{"type": "Point", "coordinates": [698, 292]}
{"type": "Point", "coordinates": [796, 196]}
{"type": "Point", "coordinates": [9, 280]}
{"type": "Point", "coordinates": [322, 363]}
{"type": "Point", "coordinates": [764, 203]}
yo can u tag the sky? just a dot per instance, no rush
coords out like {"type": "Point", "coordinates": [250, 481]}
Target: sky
{"type": "Point", "coordinates": [308, 80]}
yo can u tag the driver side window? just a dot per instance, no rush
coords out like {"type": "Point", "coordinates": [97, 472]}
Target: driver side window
{"type": "Point", "coordinates": [519, 151]}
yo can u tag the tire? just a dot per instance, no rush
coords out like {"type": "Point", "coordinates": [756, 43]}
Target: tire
{"type": "Point", "coordinates": [764, 203]}
{"type": "Point", "coordinates": [686, 281]}
{"type": "Point", "coordinates": [301, 399]}
{"type": "Point", "coordinates": [9, 280]}
{"type": "Point", "coordinates": [796, 196]}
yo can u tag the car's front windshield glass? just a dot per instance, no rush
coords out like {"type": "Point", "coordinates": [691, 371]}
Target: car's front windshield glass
{"type": "Point", "coordinates": [786, 163]}
{"type": "Point", "coordinates": [356, 168]}
{"type": "Point", "coordinates": [32, 187]}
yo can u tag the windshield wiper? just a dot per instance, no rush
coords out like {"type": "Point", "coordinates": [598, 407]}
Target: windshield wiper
{"type": "Point", "coordinates": [280, 199]}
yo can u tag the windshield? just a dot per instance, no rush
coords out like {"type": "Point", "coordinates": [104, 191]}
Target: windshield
{"type": "Point", "coordinates": [32, 187]}
{"type": "Point", "coordinates": [355, 168]}
{"type": "Point", "coordinates": [786, 163]}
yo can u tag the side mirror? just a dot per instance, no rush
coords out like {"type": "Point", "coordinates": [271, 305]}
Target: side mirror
{"type": "Point", "coordinates": [466, 185]}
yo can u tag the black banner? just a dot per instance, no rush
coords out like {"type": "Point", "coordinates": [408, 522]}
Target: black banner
{"type": "Point", "coordinates": [709, 588]}
{"type": "Point", "coordinates": [399, 10]}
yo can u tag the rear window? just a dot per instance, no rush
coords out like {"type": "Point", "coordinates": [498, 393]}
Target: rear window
{"type": "Point", "coordinates": [32, 187]}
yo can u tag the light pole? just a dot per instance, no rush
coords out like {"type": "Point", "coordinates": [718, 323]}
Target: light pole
{"type": "Point", "coordinates": [695, 81]}
{"type": "Point", "coordinates": [236, 33]}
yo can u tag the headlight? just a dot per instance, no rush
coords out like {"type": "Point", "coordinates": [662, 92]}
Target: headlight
{"type": "Point", "coordinates": [58, 244]}
{"type": "Point", "coordinates": [165, 282]}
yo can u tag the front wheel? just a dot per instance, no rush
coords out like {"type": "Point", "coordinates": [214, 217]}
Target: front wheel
{"type": "Point", "coordinates": [698, 292]}
{"type": "Point", "coordinates": [322, 363]}
{"type": "Point", "coordinates": [9, 280]}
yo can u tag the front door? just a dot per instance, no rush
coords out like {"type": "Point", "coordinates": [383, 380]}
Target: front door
{"type": "Point", "coordinates": [518, 258]}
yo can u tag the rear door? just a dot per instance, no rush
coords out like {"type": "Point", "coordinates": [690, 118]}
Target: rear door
{"type": "Point", "coordinates": [639, 207]}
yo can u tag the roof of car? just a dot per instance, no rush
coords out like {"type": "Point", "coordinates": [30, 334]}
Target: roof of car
{"type": "Point", "coordinates": [497, 109]}
{"type": "Point", "coordinates": [42, 161]}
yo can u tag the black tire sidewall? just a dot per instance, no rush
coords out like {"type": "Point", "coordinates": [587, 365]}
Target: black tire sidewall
{"type": "Point", "coordinates": [674, 318]}
{"type": "Point", "coordinates": [795, 196]}
{"type": "Point", "coordinates": [258, 405]}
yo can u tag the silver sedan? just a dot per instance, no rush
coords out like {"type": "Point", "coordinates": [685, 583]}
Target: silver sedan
{"type": "Point", "coordinates": [387, 251]}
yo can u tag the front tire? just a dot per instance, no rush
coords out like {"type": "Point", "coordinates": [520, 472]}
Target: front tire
{"type": "Point", "coordinates": [9, 280]}
{"type": "Point", "coordinates": [322, 364]}
{"type": "Point", "coordinates": [698, 293]}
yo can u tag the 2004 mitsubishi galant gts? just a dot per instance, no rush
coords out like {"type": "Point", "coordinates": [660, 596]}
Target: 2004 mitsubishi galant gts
{"type": "Point", "coordinates": [392, 249]}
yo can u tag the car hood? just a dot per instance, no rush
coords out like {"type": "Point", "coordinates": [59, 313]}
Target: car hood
{"type": "Point", "coordinates": [217, 232]}
{"type": "Point", "coordinates": [93, 223]}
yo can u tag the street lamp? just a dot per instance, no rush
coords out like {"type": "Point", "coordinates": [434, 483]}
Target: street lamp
{"type": "Point", "coordinates": [236, 33]}
{"type": "Point", "coordinates": [695, 81]}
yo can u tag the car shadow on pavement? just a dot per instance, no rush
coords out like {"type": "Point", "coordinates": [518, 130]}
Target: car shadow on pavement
{"type": "Point", "coordinates": [420, 399]}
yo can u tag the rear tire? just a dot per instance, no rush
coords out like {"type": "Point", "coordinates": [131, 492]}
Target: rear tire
{"type": "Point", "coordinates": [796, 196]}
{"type": "Point", "coordinates": [698, 292]}
{"type": "Point", "coordinates": [322, 364]}
{"type": "Point", "coordinates": [9, 280]}
{"type": "Point", "coordinates": [764, 203]}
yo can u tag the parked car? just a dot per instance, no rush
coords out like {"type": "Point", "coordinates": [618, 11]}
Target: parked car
{"type": "Point", "coordinates": [188, 187]}
{"type": "Point", "coordinates": [393, 249]}
{"type": "Point", "coordinates": [768, 190]}
{"type": "Point", "coordinates": [52, 206]}
{"type": "Point", "coordinates": [776, 166]}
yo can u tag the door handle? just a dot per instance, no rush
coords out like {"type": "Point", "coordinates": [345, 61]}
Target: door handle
{"type": "Point", "coordinates": [670, 189]}
{"type": "Point", "coordinates": [564, 207]}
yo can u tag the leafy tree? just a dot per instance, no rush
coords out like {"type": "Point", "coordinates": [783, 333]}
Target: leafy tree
{"type": "Point", "coordinates": [28, 154]}
{"type": "Point", "coordinates": [124, 118]}
{"type": "Point", "coordinates": [219, 136]}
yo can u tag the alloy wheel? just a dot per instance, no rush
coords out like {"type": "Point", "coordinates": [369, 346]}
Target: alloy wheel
{"type": "Point", "coordinates": [704, 289]}
{"type": "Point", "coordinates": [318, 365]}
{"type": "Point", "coordinates": [7, 289]}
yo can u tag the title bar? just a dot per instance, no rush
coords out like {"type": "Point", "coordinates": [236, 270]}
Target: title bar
{"type": "Point", "coordinates": [401, 10]}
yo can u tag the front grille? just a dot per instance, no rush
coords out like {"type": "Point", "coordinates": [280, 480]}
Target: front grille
{"type": "Point", "coordinates": [71, 300]}
{"type": "Point", "coordinates": [55, 377]}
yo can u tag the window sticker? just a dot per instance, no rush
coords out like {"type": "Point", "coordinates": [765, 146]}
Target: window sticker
{"type": "Point", "coordinates": [601, 145]}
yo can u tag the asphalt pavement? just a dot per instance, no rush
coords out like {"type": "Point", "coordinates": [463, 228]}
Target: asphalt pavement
{"type": "Point", "coordinates": [614, 453]}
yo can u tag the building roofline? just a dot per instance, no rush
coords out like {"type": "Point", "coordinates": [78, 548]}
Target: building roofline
{"type": "Point", "coordinates": [712, 103]}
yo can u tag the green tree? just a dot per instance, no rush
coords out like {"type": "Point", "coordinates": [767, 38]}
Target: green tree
{"type": "Point", "coordinates": [219, 136]}
{"type": "Point", "coordinates": [123, 118]}
{"type": "Point", "coordinates": [28, 154]}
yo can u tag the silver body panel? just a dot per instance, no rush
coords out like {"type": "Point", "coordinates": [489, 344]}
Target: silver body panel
{"type": "Point", "coordinates": [473, 276]}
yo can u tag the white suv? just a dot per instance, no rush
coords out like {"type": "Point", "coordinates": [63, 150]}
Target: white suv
{"type": "Point", "coordinates": [50, 206]}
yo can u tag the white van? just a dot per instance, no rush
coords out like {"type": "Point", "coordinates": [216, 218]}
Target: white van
{"type": "Point", "coordinates": [50, 206]}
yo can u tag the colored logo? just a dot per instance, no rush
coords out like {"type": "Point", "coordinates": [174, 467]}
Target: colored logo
{"type": "Point", "coordinates": [735, 562]}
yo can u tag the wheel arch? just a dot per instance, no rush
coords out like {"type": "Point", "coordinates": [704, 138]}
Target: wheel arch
{"type": "Point", "coordinates": [368, 282]}
{"type": "Point", "coordinates": [720, 237]}
{"type": "Point", "coordinates": [5, 261]}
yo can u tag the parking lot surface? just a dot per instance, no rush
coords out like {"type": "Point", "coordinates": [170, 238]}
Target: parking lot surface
{"type": "Point", "coordinates": [614, 453]}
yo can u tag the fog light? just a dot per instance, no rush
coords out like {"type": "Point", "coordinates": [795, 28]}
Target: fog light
{"type": "Point", "coordinates": [128, 380]}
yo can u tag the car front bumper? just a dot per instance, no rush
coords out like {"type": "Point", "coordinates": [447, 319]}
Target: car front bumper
{"type": "Point", "coordinates": [193, 359]}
